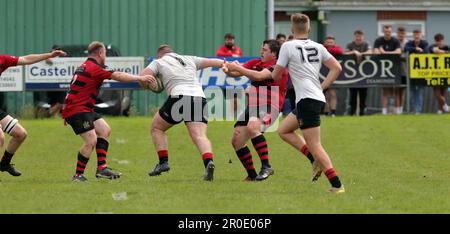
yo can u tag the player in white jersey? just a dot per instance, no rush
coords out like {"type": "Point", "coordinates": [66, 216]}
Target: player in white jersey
{"type": "Point", "coordinates": [304, 58]}
{"type": "Point", "coordinates": [186, 102]}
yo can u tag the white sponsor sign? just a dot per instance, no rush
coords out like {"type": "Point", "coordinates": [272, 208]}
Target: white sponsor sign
{"type": "Point", "coordinates": [11, 79]}
{"type": "Point", "coordinates": [62, 69]}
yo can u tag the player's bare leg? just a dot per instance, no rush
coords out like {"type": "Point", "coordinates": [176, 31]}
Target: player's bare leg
{"type": "Point", "coordinates": [103, 131]}
{"type": "Point", "coordinates": [312, 137]}
{"type": "Point", "coordinates": [158, 131]}
{"type": "Point", "coordinates": [286, 131]}
{"type": "Point", "coordinates": [197, 131]}
{"type": "Point", "coordinates": [18, 136]}
{"type": "Point", "coordinates": [2, 137]}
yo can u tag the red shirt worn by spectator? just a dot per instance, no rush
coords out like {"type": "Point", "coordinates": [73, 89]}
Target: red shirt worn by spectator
{"type": "Point", "coordinates": [335, 50]}
{"type": "Point", "coordinates": [7, 61]}
{"type": "Point", "coordinates": [84, 87]}
{"type": "Point", "coordinates": [265, 98]}
{"type": "Point", "coordinates": [224, 51]}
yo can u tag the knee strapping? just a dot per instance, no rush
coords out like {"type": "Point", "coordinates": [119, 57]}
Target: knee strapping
{"type": "Point", "coordinates": [10, 125]}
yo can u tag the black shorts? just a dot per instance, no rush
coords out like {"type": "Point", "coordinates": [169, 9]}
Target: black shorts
{"type": "Point", "coordinates": [266, 114]}
{"type": "Point", "coordinates": [3, 114]}
{"type": "Point", "coordinates": [184, 108]}
{"type": "Point", "coordinates": [83, 122]}
{"type": "Point", "coordinates": [308, 113]}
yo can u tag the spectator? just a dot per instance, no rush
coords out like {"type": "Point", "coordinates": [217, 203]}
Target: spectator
{"type": "Point", "coordinates": [440, 91]}
{"type": "Point", "coordinates": [417, 46]}
{"type": "Point", "coordinates": [399, 92]}
{"type": "Point", "coordinates": [330, 93]}
{"type": "Point", "coordinates": [229, 49]}
{"type": "Point", "coordinates": [281, 38]}
{"type": "Point", "coordinates": [387, 44]}
{"type": "Point", "coordinates": [55, 98]}
{"type": "Point", "coordinates": [290, 37]}
{"type": "Point", "coordinates": [358, 47]}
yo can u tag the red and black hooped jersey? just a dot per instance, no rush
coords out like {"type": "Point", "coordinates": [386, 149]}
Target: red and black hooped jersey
{"type": "Point", "coordinates": [261, 91]}
{"type": "Point", "coordinates": [84, 87]}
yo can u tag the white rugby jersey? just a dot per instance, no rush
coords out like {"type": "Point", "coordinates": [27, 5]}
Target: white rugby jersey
{"type": "Point", "coordinates": [179, 74]}
{"type": "Point", "coordinates": [304, 59]}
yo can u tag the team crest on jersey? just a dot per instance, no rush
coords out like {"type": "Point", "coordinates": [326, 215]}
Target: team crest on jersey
{"type": "Point", "coordinates": [86, 125]}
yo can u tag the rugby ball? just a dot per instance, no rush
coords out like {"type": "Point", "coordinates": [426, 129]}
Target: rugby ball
{"type": "Point", "coordinates": [156, 86]}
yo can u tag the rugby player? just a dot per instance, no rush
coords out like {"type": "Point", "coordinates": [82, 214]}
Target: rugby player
{"type": "Point", "coordinates": [78, 110]}
{"type": "Point", "coordinates": [304, 58]}
{"type": "Point", "coordinates": [9, 124]}
{"type": "Point", "coordinates": [186, 102]}
{"type": "Point", "coordinates": [260, 112]}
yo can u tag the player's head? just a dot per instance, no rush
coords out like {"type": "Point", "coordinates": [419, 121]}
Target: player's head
{"type": "Point", "coordinates": [330, 41]}
{"type": "Point", "coordinates": [359, 36]}
{"type": "Point", "coordinates": [417, 35]}
{"type": "Point", "coordinates": [229, 40]}
{"type": "Point", "coordinates": [439, 39]}
{"type": "Point", "coordinates": [300, 24]}
{"type": "Point", "coordinates": [269, 50]}
{"type": "Point", "coordinates": [401, 33]}
{"type": "Point", "coordinates": [98, 50]}
{"type": "Point", "coordinates": [162, 50]}
{"type": "Point", "coordinates": [281, 38]}
{"type": "Point", "coordinates": [387, 31]}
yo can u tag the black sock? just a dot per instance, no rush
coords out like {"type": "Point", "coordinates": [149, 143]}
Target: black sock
{"type": "Point", "coordinates": [260, 145]}
{"type": "Point", "coordinates": [81, 163]}
{"type": "Point", "coordinates": [333, 112]}
{"type": "Point", "coordinates": [245, 156]}
{"type": "Point", "coordinates": [310, 158]}
{"type": "Point", "coordinates": [207, 157]}
{"type": "Point", "coordinates": [163, 156]}
{"type": "Point", "coordinates": [333, 178]}
{"type": "Point", "coordinates": [6, 159]}
{"type": "Point", "coordinates": [102, 150]}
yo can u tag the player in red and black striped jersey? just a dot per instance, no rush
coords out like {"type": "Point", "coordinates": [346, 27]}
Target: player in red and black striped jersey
{"type": "Point", "coordinates": [78, 110]}
{"type": "Point", "coordinates": [265, 100]}
{"type": "Point", "coordinates": [9, 124]}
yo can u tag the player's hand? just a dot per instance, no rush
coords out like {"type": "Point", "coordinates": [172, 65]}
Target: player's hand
{"type": "Point", "coordinates": [57, 53]}
{"type": "Point", "coordinates": [234, 66]}
{"type": "Point", "coordinates": [225, 66]}
{"type": "Point", "coordinates": [147, 78]}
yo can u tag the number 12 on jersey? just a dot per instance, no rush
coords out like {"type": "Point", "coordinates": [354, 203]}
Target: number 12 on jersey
{"type": "Point", "coordinates": [311, 54]}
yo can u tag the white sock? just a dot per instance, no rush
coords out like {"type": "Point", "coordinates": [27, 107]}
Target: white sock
{"type": "Point", "coordinates": [400, 110]}
{"type": "Point", "coordinates": [445, 107]}
{"type": "Point", "coordinates": [384, 111]}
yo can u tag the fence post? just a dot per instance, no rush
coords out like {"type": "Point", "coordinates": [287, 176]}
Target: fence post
{"type": "Point", "coordinates": [408, 83]}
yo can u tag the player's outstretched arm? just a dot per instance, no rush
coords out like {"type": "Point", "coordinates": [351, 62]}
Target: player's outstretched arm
{"type": "Point", "coordinates": [125, 77]}
{"type": "Point", "coordinates": [251, 74]}
{"type": "Point", "coordinates": [34, 58]}
{"type": "Point", "coordinates": [210, 62]}
{"type": "Point", "coordinates": [335, 70]}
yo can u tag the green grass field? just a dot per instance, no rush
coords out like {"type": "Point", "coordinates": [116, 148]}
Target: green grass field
{"type": "Point", "coordinates": [388, 164]}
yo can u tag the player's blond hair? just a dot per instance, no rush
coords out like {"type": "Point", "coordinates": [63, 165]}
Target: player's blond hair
{"type": "Point", "coordinates": [300, 23]}
{"type": "Point", "coordinates": [95, 46]}
{"type": "Point", "coordinates": [164, 48]}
